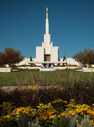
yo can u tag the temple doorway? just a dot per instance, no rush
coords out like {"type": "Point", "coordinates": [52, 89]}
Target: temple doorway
{"type": "Point", "coordinates": [47, 57]}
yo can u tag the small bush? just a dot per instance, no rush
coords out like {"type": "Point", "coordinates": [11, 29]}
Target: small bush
{"type": "Point", "coordinates": [7, 108]}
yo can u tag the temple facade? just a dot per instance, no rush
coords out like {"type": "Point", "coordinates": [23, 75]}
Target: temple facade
{"type": "Point", "coordinates": [47, 53]}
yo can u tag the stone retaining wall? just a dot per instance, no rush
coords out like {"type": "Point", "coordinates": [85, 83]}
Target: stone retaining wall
{"type": "Point", "coordinates": [5, 69]}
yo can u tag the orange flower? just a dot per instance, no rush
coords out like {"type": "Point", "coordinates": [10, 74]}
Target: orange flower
{"type": "Point", "coordinates": [49, 113]}
{"type": "Point", "coordinates": [52, 117]}
{"type": "Point", "coordinates": [71, 112]}
{"type": "Point", "coordinates": [12, 114]}
{"type": "Point", "coordinates": [92, 113]}
{"type": "Point", "coordinates": [63, 114]}
{"type": "Point", "coordinates": [7, 117]}
{"type": "Point", "coordinates": [92, 122]}
{"type": "Point", "coordinates": [43, 117]}
{"type": "Point", "coordinates": [59, 101]}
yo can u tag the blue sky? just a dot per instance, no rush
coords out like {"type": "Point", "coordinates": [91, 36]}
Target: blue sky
{"type": "Point", "coordinates": [22, 25]}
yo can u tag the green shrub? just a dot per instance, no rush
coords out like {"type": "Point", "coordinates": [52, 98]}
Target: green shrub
{"type": "Point", "coordinates": [11, 123]}
{"type": "Point", "coordinates": [7, 108]}
{"type": "Point", "coordinates": [22, 121]}
{"type": "Point", "coordinates": [85, 122]}
{"type": "Point", "coordinates": [61, 122]}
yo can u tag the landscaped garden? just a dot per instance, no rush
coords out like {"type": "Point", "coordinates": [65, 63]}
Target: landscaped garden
{"type": "Point", "coordinates": [68, 102]}
{"type": "Point", "coordinates": [57, 113]}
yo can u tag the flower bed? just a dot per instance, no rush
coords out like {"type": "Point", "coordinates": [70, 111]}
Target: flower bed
{"type": "Point", "coordinates": [58, 113]}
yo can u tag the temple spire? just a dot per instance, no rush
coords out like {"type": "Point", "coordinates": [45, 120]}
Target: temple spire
{"type": "Point", "coordinates": [47, 35]}
{"type": "Point", "coordinates": [47, 22]}
{"type": "Point", "coordinates": [46, 13]}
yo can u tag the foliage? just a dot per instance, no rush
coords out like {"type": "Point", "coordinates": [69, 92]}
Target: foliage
{"type": "Point", "coordinates": [10, 123]}
{"type": "Point", "coordinates": [10, 56]}
{"type": "Point", "coordinates": [2, 59]}
{"type": "Point", "coordinates": [85, 122]}
{"type": "Point", "coordinates": [61, 122]}
{"type": "Point", "coordinates": [44, 115]}
{"type": "Point", "coordinates": [7, 108]}
{"type": "Point", "coordinates": [59, 105]}
{"type": "Point", "coordinates": [23, 115]}
{"type": "Point", "coordinates": [64, 58]}
{"type": "Point", "coordinates": [34, 123]}
{"type": "Point", "coordinates": [85, 57]}
{"type": "Point", "coordinates": [82, 92]}
{"type": "Point", "coordinates": [30, 58]}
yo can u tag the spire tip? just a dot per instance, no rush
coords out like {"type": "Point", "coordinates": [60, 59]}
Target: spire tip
{"type": "Point", "coordinates": [46, 9]}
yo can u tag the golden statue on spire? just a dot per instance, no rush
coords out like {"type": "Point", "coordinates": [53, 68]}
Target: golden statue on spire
{"type": "Point", "coordinates": [47, 9]}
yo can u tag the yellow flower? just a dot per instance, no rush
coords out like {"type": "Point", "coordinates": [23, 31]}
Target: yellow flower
{"type": "Point", "coordinates": [70, 105]}
{"type": "Point", "coordinates": [65, 102]}
{"type": "Point", "coordinates": [72, 100]}
{"type": "Point", "coordinates": [92, 104]}
{"type": "Point", "coordinates": [57, 101]}
{"type": "Point", "coordinates": [81, 113]}
{"type": "Point", "coordinates": [17, 116]}
{"type": "Point", "coordinates": [34, 86]}
{"type": "Point", "coordinates": [59, 116]}
{"type": "Point", "coordinates": [52, 117]}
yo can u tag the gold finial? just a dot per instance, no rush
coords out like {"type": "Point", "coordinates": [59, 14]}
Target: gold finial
{"type": "Point", "coordinates": [47, 9]}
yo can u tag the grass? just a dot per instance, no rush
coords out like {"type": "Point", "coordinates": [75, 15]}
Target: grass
{"type": "Point", "coordinates": [43, 78]}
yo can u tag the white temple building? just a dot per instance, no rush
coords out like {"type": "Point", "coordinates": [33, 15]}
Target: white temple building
{"type": "Point", "coordinates": [47, 53]}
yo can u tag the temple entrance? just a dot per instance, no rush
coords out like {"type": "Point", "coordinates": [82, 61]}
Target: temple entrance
{"type": "Point", "coordinates": [47, 57]}
{"type": "Point", "coordinates": [47, 65]}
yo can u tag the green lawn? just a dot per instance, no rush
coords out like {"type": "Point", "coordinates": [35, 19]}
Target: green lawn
{"type": "Point", "coordinates": [42, 78]}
